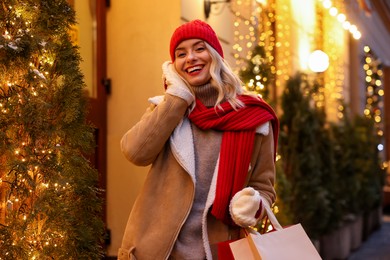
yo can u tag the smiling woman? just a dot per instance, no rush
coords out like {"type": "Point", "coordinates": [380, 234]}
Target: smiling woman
{"type": "Point", "coordinates": [212, 150]}
{"type": "Point", "coordinates": [192, 62]}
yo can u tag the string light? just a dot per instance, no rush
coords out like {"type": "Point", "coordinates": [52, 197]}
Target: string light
{"type": "Point", "coordinates": [332, 38]}
{"type": "Point", "coordinates": [341, 17]}
{"type": "Point", "coordinates": [282, 44]}
{"type": "Point", "coordinates": [255, 44]}
{"type": "Point", "coordinates": [24, 182]}
{"type": "Point", "coordinates": [274, 34]}
{"type": "Point", "coordinates": [245, 31]}
{"type": "Point", "coordinates": [374, 92]}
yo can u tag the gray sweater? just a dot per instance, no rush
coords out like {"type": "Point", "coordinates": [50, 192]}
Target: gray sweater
{"type": "Point", "coordinates": [207, 143]}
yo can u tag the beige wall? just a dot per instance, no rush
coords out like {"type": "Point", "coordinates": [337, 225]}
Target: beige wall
{"type": "Point", "coordinates": [138, 34]}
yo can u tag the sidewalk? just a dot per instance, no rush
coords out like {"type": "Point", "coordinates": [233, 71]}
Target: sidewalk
{"type": "Point", "coordinates": [377, 246]}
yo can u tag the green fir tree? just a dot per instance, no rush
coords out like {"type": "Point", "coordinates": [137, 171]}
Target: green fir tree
{"type": "Point", "coordinates": [307, 156]}
{"type": "Point", "coordinates": [258, 75]}
{"type": "Point", "coordinates": [49, 204]}
{"type": "Point", "coordinates": [330, 171]}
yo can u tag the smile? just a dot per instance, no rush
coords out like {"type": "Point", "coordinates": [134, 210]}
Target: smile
{"type": "Point", "coordinates": [194, 69]}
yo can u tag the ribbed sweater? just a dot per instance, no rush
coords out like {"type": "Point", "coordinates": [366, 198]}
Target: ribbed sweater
{"type": "Point", "coordinates": [189, 244]}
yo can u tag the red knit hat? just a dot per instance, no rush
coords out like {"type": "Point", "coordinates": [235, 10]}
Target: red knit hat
{"type": "Point", "coordinates": [195, 29]}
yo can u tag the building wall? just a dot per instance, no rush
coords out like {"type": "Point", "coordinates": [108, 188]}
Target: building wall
{"type": "Point", "coordinates": [138, 34]}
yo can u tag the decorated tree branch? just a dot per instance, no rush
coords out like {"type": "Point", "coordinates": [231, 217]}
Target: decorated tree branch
{"type": "Point", "coordinates": [257, 75]}
{"type": "Point", "coordinates": [49, 204]}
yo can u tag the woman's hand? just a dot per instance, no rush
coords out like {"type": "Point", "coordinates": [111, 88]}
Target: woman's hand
{"type": "Point", "coordinates": [244, 207]}
{"type": "Point", "coordinates": [175, 84]}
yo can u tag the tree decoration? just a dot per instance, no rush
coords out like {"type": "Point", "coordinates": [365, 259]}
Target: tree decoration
{"type": "Point", "coordinates": [374, 92]}
{"type": "Point", "coordinates": [257, 76]}
{"type": "Point", "coordinates": [254, 48]}
{"type": "Point", "coordinates": [49, 204]}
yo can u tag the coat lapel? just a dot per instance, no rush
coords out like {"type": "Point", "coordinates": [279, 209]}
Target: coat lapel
{"type": "Point", "coordinates": [182, 146]}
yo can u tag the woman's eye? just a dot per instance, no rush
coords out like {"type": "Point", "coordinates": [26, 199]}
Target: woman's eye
{"type": "Point", "coordinates": [199, 49]}
{"type": "Point", "coordinates": [180, 54]}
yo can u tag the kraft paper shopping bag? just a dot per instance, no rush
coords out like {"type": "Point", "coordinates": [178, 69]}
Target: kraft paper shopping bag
{"type": "Point", "coordinates": [282, 244]}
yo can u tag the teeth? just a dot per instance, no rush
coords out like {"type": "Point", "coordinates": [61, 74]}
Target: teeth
{"type": "Point", "coordinates": [194, 68]}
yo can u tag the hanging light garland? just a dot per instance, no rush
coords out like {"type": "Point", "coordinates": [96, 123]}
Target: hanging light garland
{"type": "Point", "coordinates": [256, 44]}
{"type": "Point", "coordinates": [268, 24]}
{"type": "Point", "coordinates": [342, 18]}
{"type": "Point", "coordinates": [374, 92]}
{"type": "Point", "coordinates": [282, 43]}
{"type": "Point", "coordinates": [245, 31]}
{"type": "Point", "coordinates": [334, 37]}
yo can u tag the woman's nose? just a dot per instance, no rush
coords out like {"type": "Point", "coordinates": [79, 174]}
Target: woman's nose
{"type": "Point", "coordinates": [191, 56]}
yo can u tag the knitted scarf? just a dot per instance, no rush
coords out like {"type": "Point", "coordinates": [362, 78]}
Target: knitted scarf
{"type": "Point", "coordinates": [239, 129]}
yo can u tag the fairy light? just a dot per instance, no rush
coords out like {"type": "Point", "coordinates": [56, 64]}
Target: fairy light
{"type": "Point", "coordinates": [333, 38]}
{"type": "Point", "coordinates": [282, 44]}
{"type": "Point", "coordinates": [245, 31]}
{"type": "Point", "coordinates": [11, 200]}
{"type": "Point", "coordinates": [374, 92]}
{"type": "Point", "coordinates": [333, 11]}
{"type": "Point", "coordinates": [255, 43]}
{"type": "Point", "coordinates": [341, 18]}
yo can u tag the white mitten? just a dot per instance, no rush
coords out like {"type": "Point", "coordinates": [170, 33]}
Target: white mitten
{"type": "Point", "coordinates": [175, 85]}
{"type": "Point", "coordinates": [244, 206]}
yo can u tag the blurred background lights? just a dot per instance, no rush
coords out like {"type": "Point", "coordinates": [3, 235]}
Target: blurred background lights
{"type": "Point", "coordinates": [318, 61]}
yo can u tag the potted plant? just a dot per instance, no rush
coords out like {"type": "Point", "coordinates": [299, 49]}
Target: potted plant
{"type": "Point", "coordinates": [370, 174]}
{"type": "Point", "coordinates": [305, 157]}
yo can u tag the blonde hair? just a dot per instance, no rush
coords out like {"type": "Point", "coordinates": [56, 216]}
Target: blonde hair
{"type": "Point", "coordinates": [227, 83]}
{"type": "Point", "coordinates": [224, 80]}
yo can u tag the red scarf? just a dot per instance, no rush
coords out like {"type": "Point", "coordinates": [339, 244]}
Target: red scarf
{"type": "Point", "coordinates": [239, 128]}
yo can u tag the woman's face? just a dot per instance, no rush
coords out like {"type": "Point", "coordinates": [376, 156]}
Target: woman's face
{"type": "Point", "coordinates": [192, 62]}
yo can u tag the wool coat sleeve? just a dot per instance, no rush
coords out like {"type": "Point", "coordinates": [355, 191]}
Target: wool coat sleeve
{"type": "Point", "coordinates": [262, 173]}
{"type": "Point", "coordinates": [146, 139]}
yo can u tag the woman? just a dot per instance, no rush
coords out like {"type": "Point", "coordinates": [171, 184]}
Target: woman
{"type": "Point", "coordinates": [211, 148]}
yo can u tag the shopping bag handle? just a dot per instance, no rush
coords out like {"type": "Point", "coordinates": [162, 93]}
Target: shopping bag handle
{"type": "Point", "coordinates": [271, 216]}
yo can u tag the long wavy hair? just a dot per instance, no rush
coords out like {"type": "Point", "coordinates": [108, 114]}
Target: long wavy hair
{"type": "Point", "coordinates": [227, 83]}
{"type": "Point", "coordinates": [224, 80]}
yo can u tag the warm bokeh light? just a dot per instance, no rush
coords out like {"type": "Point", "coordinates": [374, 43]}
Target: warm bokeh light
{"type": "Point", "coordinates": [374, 91]}
{"type": "Point", "coordinates": [318, 61]}
{"type": "Point", "coordinates": [321, 25]}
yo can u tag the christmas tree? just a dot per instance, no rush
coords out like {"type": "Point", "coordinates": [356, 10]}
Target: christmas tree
{"type": "Point", "coordinates": [258, 75]}
{"type": "Point", "coordinates": [49, 204]}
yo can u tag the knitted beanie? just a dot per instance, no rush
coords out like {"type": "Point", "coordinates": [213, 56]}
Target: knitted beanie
{"type": "Point", "coordinates": [195, 29]}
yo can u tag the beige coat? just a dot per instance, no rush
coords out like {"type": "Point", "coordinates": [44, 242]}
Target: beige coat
{"type": "Point", "coordinates": [163, 139]}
